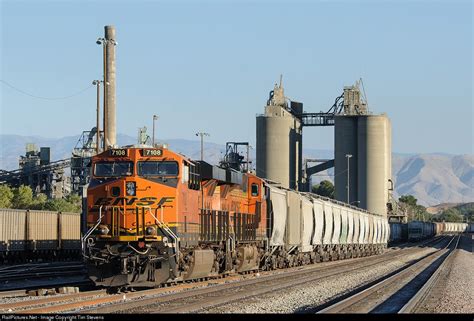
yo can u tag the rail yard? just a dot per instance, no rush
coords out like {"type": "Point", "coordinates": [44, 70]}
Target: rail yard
{"type": "Point", "coordinates": [160, 232]}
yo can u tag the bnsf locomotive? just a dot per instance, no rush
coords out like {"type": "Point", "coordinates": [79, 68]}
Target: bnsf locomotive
{"type": "Point", "coordinates": [155, 216]}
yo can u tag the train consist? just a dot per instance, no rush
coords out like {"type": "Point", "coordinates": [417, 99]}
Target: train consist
{"type": "Point", "coordinates": [27, 235]}
{"type": "Point", "coordinates": [417, 230]}
{"type": "Point", "coordinates": [155, 216]}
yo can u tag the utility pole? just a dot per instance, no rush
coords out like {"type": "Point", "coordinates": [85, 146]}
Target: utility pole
{"type": "Point", "coordinates": [155, 117]}
{"type": "Point", "coordinates": [348, 156]}
{"type": "Point", "coordinates": [202, 134]}
{"type": "Point", "coordinates": [248, 161]}
{"type": "Point", "coordinates": [97, 83]}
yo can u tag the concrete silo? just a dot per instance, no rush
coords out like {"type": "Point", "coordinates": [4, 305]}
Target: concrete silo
{"type": "Point", "coordinates": [279, 141]}
{"type": "Point", "coordinates": [345, 141]}
{"type": "Point", "coordinates": [373, 132]}
{"type": "Point", "coordinates": [367, 138]}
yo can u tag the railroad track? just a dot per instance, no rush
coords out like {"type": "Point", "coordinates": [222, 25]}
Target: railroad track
{"type": "Point", "coordinates": [37, 275]}
{"type": "Point", "coordinates": [390, 293]}
{"type": "Point", "coordinates": [198, 295]}
{"type": "Point", "coordinates": [418, 300]}
{"type": "Point", "coordinates": [222, 291]}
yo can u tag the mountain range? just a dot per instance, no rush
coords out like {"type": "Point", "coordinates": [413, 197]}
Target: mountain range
{"type": "Point", "coordinates": [432, 178]}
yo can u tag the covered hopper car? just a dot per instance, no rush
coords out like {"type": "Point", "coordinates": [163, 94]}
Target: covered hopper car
{"type": "Point", "coordinates": [155, 216]}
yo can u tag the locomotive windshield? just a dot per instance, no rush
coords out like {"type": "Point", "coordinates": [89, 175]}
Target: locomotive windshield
{"type": "Point", "coordinates": [113, 169]}
{"type": "Point", "coordinates": [157, 168]}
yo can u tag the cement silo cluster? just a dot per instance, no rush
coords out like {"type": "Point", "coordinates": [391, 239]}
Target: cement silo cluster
{"type": "Point", "coordinates": [279, 140]}
{"type": "Point", "coordinates": [362, 155]}
{"type": "Point", "coordinates": [362, 149]}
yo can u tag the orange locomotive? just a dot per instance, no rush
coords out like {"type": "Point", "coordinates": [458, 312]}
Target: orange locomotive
{"type": "Point", "coordinates": [155, 216]}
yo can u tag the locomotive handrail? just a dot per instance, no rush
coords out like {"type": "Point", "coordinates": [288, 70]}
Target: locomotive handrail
{"type": "Point", "coordinates": [91, 229]}
{"type": "Point", "coordinates": [168, 230]}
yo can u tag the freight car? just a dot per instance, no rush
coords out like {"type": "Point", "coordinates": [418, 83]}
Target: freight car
{"type": "Point", "coordinates": [470, 228]}
{"type": "Point", "coordinates": [155, 216]}
{"type": "Point", "coordinates": [27, 235]}
{"type": "Point", "coordinates": [398, 232]}
{"type": "Point", "coordinates": [418, 230]}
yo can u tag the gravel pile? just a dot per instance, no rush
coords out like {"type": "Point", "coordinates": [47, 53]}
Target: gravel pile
{"type": "Point", "coordinates": [455, 291]}
{"type": "Point", "coordinates": [303, 298]}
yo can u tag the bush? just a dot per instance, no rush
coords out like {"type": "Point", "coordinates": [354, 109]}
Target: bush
{"type": "Point", "coordinates": [6, 196]}
{"type": "Point", "coordinates": [325, 188]}
{"type": "Point", "coordinates": [22, 198]}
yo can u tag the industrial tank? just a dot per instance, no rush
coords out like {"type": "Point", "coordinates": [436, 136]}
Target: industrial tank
{"type": "Point", "coordinates": [373, 162]}
{"type": "Point", "coordinates": [279, 142]}
{"type": "Point", "coordinates": [368, 139]}
{"type": "Point", "coordinates": [345, 141]}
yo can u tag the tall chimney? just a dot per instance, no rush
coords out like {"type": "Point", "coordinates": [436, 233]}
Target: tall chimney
{"type": "Point", "coordinates": [109, 110]}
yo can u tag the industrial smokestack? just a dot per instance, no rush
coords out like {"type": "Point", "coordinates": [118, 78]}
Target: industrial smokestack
{"type": "Point", "coordinates": [110, 108]}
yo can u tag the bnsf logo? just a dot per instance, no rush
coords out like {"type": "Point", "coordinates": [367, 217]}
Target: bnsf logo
{"type": "Point", "coordinates": [144, 201]}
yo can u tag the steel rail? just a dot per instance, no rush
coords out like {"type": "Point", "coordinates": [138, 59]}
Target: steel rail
{"type": "Point", "coordinates": [384, 283]}
{"type": "Point", "coordinates": [420, 296]}
{"type": "Point", "coordinates": [285, 280]}
{"type": "Point", "coordinates": [142, 298]}
{"type": "Point", "coordinates": [17, 307]}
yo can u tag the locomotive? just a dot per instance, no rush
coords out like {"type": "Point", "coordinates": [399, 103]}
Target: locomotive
{"type": "Point", "coordinates": [156, 216]}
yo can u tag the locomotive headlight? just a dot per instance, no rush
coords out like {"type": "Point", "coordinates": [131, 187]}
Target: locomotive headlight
{"type": "Point", "coordinates": [103, 230]}
{"type": "Point", "coordinates": [131, 188]}
{"type": "Point", "coordinates": [150, 230]}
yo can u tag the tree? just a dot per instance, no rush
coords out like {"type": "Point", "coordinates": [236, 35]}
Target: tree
{"type": "Point", "coordinates": [61, 205]}
{"type": "Point", "coordinates": [451, 215]}
{"type": "Point", "coordinates": [325, 188]}
{"type": "Point", "coordinates": [413, 210]}
{"type": "Point", "coordinates": [6, 196]}
{"type": "Point", "coordinates": [39, 202]}
{"type": "Point", "coordinates": [22, 197]}
{"type": "Point", "coordinates": [408, 199]}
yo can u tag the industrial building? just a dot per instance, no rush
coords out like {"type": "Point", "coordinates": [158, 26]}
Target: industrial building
{"type": "Point", "coordinates": [362, 148]}
{"type": "Point", "coordinates": [36, 170]}
{"type": "Point", "coordinates": [279, 140]}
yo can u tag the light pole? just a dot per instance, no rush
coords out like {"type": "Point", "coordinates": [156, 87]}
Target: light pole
{"type": "Point", "coordinates": [97, 83]}
{"type": "Point", "coordinates": [108, 60]}
{"type": "Point", "coordinates": [348, 156]}
{"type": "Point", "coordinates": [202, 134]}
{"type": "Point", "coordinates": [103, 42]}
{"type": "Point", "coordinates": [155, 117]}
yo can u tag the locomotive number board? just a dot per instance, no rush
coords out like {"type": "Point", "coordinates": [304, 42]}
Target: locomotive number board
{"type": "Point", "coordinates": [118, 152]}
{"type": "Point", "coordinates": [152, 152]}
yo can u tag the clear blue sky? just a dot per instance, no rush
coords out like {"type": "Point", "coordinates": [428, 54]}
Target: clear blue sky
{"type": "Point", "coordinates": [209, 65]}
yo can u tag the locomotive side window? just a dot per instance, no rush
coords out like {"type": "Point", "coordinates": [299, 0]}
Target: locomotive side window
{"type": "Point", "coordinates": [113, 169]}
{"type": "Point", "coordinates": [254, 189]}
{"type": "Point", "coordinates": [157, 168]}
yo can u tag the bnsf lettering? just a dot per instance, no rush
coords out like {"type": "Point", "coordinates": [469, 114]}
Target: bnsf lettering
{"type": "Point", "coordinates": [123, 200]}
{"type": "Point", "coordinates": [147, 201]}
{"type": "Point", "coordinates": [164, 200]}
{"type": "Point", "coordinates": [144, 201]}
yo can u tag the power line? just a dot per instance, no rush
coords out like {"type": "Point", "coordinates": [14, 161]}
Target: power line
{"type": "Point", "coordinates": [45, 98]}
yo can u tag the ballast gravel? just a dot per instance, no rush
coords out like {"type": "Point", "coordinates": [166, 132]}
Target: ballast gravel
{"type": "Point", "coordinates": [304, 298]}
{"type": "Point", "coordinates": [455, 291]}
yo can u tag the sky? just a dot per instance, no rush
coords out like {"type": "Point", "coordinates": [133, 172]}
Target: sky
{"type": "Point", "coordinates": [209, 65]}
